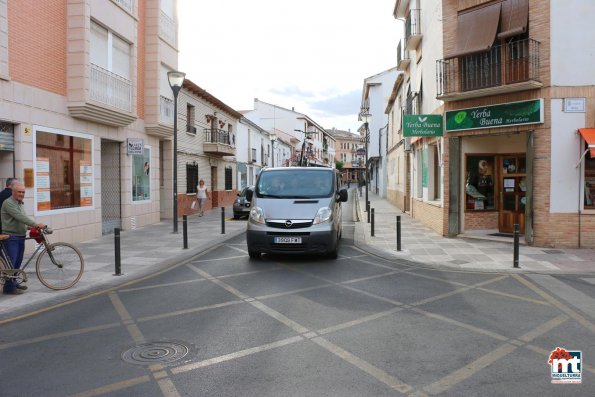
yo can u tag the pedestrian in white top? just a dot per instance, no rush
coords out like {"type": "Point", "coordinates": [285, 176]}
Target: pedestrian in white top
{"type": "Point", "coordinates": [203, 195]}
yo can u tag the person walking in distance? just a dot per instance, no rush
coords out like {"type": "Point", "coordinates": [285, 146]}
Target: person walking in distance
{"type": "Point", "coordinates": [14, 223]}
{"type": "Point", "coordinates": [6, 193]}
{"type": "Point", "coordinates": [202, 194]}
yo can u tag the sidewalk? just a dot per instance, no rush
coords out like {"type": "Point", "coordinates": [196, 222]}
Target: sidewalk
{"type": "Point", "coordinates": [143, 251]}
{"type": "Point", "coordinates": [423, 245]}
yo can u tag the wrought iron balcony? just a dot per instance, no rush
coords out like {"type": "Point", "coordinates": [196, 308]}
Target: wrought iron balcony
{"type": "Point", "coordinates": [403, 60]}
{"type": "Point", "coordinates": [219, 142]}
{"type": "Point", "coordinates": [505, 68]}
{"type": "Point", "coordinates": [412, 29]}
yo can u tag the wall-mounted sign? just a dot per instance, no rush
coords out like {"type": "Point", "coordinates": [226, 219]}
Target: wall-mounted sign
{"type": "Point", "coordinates": [575, 105]}
{"type": "Point", "coordinates": [135, 146]}
{"type": "Point", "coordinates": [502, 115]}
{"type": "Point", "coordinates": [422, 125]}
{"type": "Point", "coordinates": [360, 152]}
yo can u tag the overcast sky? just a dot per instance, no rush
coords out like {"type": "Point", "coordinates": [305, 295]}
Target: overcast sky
{"type": "Point", "coordinates": [309, 54]}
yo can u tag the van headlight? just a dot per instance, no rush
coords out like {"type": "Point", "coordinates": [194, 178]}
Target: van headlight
{"type": "Point", "coordinates": [257, 215]}
{"type": "Point", "coordinates": [323, 215]}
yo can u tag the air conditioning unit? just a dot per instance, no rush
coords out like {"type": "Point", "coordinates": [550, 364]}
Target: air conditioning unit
{"type": "Point", "coordinates": [407, 145]}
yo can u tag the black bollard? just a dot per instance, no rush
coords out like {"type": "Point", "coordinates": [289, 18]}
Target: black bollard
{"type": "Point", "coordinates": [372, 224]}
{"type": "Point", "coordinates": [222, 220]}
{"type": "Point", "coordinates": [117, 252]}
{"type": "Point", "coordinates": [185, 230]}
{"type": "Point", "coordinates": [398, 232]}
{"type": "Point", "coordinates": [368, 210]}
{"type": "Point", "coordinates": [515, 261]}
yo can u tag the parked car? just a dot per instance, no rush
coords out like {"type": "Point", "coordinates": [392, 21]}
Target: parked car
{"type": "Point", "coordinates": [241, 207]}
{"type": "Point", "coordinates": [295, 210]}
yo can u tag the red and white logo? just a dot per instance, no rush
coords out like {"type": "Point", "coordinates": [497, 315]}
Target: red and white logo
{"type": "Point", "coordinates": [566, 365]}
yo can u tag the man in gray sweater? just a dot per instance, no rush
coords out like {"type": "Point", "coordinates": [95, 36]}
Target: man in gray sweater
{"type": "Point", "coordinates": [14, 223]}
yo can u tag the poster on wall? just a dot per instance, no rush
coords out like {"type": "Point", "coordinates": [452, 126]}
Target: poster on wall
{"type": "Point", "coordinates": [42, 180]}
{"type": "Point", "coordinates": [86, 175]}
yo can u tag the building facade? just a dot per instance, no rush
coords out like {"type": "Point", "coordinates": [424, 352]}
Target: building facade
{"type": "Point", "coordinates": [84, 121]}
{"type": "Point", "coordinates": [350, 151]}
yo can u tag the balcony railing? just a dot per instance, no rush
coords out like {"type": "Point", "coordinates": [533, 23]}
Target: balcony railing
{"type": "Point", "coordinates": [213, 135]}
{"type": "Point", "coordinates": [125, 4]}
{"type": "Point", "coordinates": [504, 65]}
{"type": "Point", "coordinates": [166, 110]}
{"type": "Point", "coordinates": [402, 57]}
{"type": "Point", "coordinates": [412, 29]}
{"type": "Point", "coordinates": [168, 30]}
{"type": "Point", "coordinates": [109, 88]}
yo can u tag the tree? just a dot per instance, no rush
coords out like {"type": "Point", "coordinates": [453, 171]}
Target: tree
{"type": "Point", "coordinates": [339, 165]}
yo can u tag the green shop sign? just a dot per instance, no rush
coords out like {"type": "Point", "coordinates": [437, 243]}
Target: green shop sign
{"type": "Point", "coordinates": [422, 125]}
{"type": "Point", "coordinates": [503, 115]}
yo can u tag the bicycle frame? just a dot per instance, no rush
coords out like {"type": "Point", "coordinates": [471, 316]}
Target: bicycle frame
{"type": "Point", "coordinates": [41, 246]}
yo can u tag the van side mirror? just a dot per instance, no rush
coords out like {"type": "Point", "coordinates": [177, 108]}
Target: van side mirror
{"type": "Point", "coordinates": [249, 194]}
{"type": "Point", "coordinates": [343, 195]}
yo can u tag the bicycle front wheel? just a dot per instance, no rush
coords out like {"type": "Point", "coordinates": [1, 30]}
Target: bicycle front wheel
{"type": "Point", "coordinates": [60, 266]}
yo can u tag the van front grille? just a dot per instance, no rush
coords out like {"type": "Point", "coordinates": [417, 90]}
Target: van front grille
{"type": "Point", "coordinates": [283, 224]}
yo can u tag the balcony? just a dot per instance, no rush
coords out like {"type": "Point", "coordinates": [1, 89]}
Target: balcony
{"type": "Point", "coordinates": [125, 4]}
{"type": "Point", "coordinates": [403, 60]}
{"type": "Point", "coordinates": [109, 101]}
{"type": "Point", "coordinates": [412, 30]}
{"type": "Point", "coordinates": [166, 110]}
{"type": "Point", "coordinates": [510, 67]}
{"type": "Point", "coordinates": [168, 30]}
{"type": "Point", "coordinates": [218, 142]}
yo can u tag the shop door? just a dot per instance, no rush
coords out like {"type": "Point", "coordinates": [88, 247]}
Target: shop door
{"type": "Point", "coordinates": [111, 199]}
{"type": "Point", "coordinates": [512, 188]}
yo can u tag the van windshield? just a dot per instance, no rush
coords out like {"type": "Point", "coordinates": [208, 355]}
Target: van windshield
{"type": "Point", "coordinates": [295, 184]}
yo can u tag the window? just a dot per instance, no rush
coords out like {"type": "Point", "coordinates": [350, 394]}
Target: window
{"type": "Point", "coordinates": [191, 177]}
{"type": "Point", "coordinates": [436, 170]}
{"type": "Point", "coordinates": [141, 176]}
{"type": "Point", "coordinates": [479, 185]}
{"type": "Point", "coordinates": [590, 181]}
{"type": "Point", "coordinates": [190, 117]}
{"type": "Point", "coordinates": [109, 52]}
{"type": "Point", "coordinates": [253, 159]}
{"type": "Point", "coordinates": [63, 170]}
{"type": "Point", "coordinates": [228, 178]}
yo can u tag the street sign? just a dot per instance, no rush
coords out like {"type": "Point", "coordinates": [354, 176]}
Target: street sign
{"type": "Point", "coordinates": [422, 125]}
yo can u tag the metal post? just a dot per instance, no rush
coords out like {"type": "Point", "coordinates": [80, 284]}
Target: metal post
{"type": "Point", "coordinates": [515, 263]}
{"type": "Point", "coordinates": [222, 220]}
{"type": "Point", "coordinates": [366, 174]}
{"type": "Point", "coordinates": [117, 252]}
{"type": "Point", "coordinates": [368, 210]}
{"type": "Point", "coordinates": [398, 232]}
{"type": "Point", "coordinates": [185, 230]}
{"type": "Point", "coordinates": [372, 224]}
{"type": "Point", "coordinates": [175, 210]}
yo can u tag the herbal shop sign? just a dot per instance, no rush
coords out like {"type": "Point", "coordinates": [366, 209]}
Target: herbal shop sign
{"type": "Point", "coordinates": [422, 125]}
{"type": "Point", "coordinates": [502, 115]}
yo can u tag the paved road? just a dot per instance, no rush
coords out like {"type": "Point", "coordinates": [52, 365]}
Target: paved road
{"type": "Point", "coordinates": [222, 324]}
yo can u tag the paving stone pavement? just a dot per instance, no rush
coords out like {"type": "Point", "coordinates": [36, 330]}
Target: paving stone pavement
{"type": "Point", "coordinates": [153, 248]}
{"type": "Point", "coordinates": [421, 244]}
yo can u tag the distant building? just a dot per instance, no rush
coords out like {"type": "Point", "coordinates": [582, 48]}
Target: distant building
{"type": "Point", "coordinates": [349, 149]}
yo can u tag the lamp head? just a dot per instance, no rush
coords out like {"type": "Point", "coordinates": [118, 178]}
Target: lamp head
{"type": "Point", "coordinates": [175, 79]}
{"type": "Point", "coordinates": [366, 117]}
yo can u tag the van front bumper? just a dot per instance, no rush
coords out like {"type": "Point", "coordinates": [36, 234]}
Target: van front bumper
{"type": "Point", "coordinates": [315, 239]}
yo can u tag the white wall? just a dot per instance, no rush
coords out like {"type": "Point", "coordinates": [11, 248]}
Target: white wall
{"type": "Point", "coordinates": [566, 151]}
{"type": "Point", "coordinates": [572, 42]}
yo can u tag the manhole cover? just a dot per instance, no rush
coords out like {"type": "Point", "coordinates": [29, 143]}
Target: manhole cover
{"type": "Point", "coordinates": [553, 251]}
{"type": "Point", "coordinates": [161, 352]}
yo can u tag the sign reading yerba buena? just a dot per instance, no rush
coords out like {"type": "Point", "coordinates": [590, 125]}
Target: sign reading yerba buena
{"type": "Point", "coordinates": [502, 115]}
{"type": "Point", "coordinates": [422, 125]}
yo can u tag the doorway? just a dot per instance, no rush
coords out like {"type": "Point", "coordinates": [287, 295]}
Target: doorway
{"type": "Point", "coordinates": [512, 191]}
{"type": "Point", "coordinates": [111, 190]}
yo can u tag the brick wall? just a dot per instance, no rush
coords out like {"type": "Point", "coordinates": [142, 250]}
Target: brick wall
{"type": "Point", "coordinates": [430, 215]}
{"type": "Point", "coordinates": [37, 43]}
{"type": "Point", "coordinates": [223, 198]}
{"type": "Point", "coordinates": [481, 220]}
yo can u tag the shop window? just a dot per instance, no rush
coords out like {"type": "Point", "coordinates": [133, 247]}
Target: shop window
{"type": "Point", "coordinates": [436, 173]}
{"type": "Point", "coordinates": [141, 176]}
{"type": "Point", "coordinates": [479, 185]}
{"type": "Point", "coordinates": [63, 171]}
{"type": "Point", "coordinates": [191, 177]}
{"type": "Point", "coordinates": [590, 182]}
{"type": "Point", "coordinates": [228, 178]}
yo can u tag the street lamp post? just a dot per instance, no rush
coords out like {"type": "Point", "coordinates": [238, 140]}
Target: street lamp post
{"type": "Point", "coordinates": [366, 117]}
{"type": "Point", "coordinates": [303, 147]}
{"type": "Point", "coordinates": [175, 79]}
{"type": "Point", "coordinates": [273, 140]}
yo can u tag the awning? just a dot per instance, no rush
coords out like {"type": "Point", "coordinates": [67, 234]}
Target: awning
{"type": "Point", "coordinates": [514, 17]}
{"type": "Point", "coordinates": [588, 135]}
{"type": "Point", "coordinates": [476, 30]}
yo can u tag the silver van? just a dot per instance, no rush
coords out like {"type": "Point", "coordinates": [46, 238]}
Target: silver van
{"type": "Point", "coordinates": [295, 209]}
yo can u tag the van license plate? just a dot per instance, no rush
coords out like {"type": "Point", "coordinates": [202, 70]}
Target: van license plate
{"type": "Point", "coordinates": [288, 240]}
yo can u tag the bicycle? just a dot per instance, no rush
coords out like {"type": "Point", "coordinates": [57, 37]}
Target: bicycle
{"type": "Point", "coordinates": [59, 265]}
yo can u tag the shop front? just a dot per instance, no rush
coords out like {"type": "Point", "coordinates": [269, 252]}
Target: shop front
{"type": "Point", "coordinates": [491, 157]}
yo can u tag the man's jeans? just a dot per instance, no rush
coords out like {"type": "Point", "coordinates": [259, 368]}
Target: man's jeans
{"type": "Point", "coordinates": [15, 248]}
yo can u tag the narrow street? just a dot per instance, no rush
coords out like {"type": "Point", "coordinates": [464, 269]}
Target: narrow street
{"type": "Point", "coordinates": [222, 324]}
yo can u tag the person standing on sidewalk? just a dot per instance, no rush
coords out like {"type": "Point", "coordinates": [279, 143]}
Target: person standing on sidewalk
{"type": "Point", "coordinates": [202, 194]}
{"type": "Point", "coordinates": [6, 193]}
{"type": "Point", "coordinates": [14, 223]}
